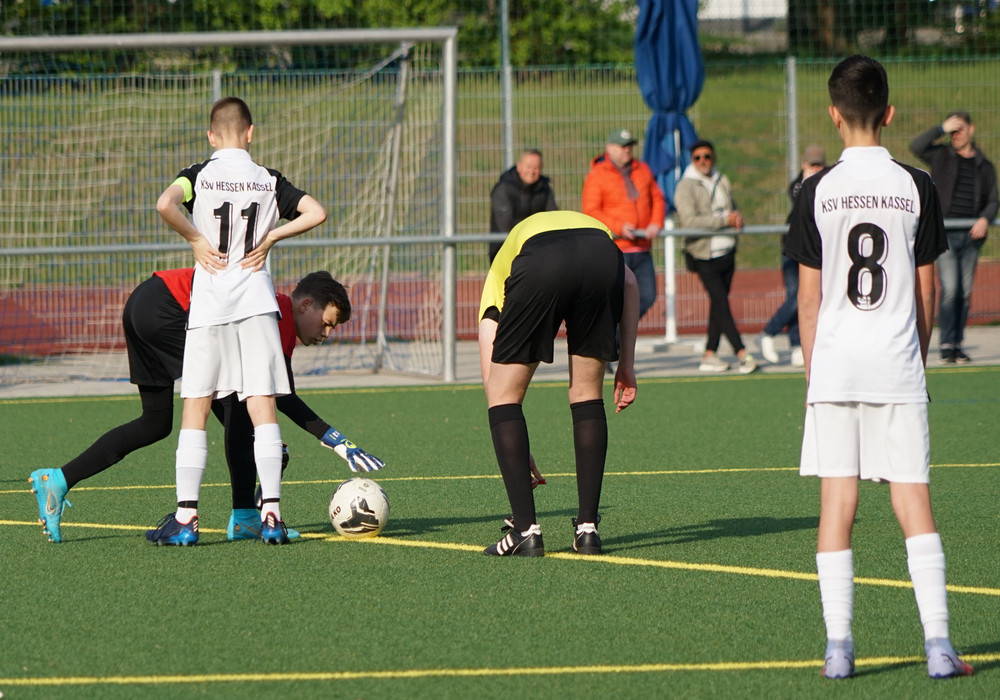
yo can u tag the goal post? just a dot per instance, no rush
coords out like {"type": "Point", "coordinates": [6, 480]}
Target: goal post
{"type": "Point", "coordinates": [92, 128]}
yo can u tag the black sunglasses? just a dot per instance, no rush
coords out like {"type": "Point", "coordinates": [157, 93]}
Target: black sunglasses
{"type": "Point", "coordinates": [705, 156]}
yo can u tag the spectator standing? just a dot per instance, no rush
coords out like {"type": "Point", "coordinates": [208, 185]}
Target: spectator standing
{"type": "Point", "coordinates": [622, 194]}
{"type": "Point", "coordinates": [967, 185]}
{"type": "Point", "coordinates": [520, 192]}
{"type": "Point", "coordinates": [704, 199]}
{"type": "Point", "coordinates": [787, 315]}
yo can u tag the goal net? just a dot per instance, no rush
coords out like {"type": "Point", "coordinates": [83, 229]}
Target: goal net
{"type": "Point", "coordinates": [94, 128]}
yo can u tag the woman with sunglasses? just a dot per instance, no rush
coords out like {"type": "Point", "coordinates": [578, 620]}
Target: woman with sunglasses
{"type": "Point", "coordinates": [704, 200]}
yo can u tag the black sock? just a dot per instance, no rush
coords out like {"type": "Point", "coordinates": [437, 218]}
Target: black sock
{"type": "Point", "coordinates": [153, 425]}
{"type": "Point", "coordinates": [590, 443]}
{"type": "Point", "coordinates": [238, 439]}
{"type": "Point", "coordinates": [510, 442]}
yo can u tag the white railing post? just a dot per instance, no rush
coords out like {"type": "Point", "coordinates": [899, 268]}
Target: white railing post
{"type": "Point", "coordinates": [669, 283]}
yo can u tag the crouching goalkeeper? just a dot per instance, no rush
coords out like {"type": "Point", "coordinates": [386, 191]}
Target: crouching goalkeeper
{"type": "Point", "coordinates": [154, 321]}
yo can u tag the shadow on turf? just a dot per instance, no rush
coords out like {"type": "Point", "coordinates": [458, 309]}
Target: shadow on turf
{"type": "Point", "coordinates": [986, 648]}
{"type": "Point", "coordinates": [406, 527]}
{"type": "Point", "coordinates": [712, 530]}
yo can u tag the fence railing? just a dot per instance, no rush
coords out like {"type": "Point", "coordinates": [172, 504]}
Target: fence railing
{"type": "Point", "coordinates": [463, 287]}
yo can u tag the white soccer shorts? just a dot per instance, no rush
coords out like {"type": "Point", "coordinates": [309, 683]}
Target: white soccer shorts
{"type": "Point", "coordinates": [244, 357]}
{"type": "Point", "coordinates": [882, 442]}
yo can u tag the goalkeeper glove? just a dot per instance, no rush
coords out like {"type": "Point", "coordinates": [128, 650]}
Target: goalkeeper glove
{"type": "Point", "coordinates": [355, 456]}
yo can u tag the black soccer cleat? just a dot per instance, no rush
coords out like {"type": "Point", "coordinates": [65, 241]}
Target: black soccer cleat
{"type": "Point", "coordinates": [585, 537]}
{"type": "Point", "coordinates": [516, 544]}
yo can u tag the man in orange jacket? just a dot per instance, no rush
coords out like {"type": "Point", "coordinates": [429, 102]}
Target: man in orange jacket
{"type": "Point", "coordinates": [622, 193]}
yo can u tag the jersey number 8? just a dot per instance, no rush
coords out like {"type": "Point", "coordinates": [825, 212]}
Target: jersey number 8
{"type": "Point", "coordinates": [866, 280]}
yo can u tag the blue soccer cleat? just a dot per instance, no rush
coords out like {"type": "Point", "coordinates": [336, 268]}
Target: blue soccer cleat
{"type": "Point", "coordinates": [171, 532]}
{"type": "Point", "coordinates": [244, 524]}
{"type": "Point", "coordinates": [943, 661]}
{"type": "Point", "coordinates": [839, 660]}
{"type": "Point", "coordinates": [50, 489]}
{"type": "Point", "coordinates": [273, 531]}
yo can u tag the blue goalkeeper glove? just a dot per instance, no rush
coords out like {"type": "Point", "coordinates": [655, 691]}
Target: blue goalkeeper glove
{"type": "Point", "coordinates": [355, 456]}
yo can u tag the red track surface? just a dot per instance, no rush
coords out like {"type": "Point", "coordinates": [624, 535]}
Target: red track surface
{"type": "Point", "coordinates": [45, 321]}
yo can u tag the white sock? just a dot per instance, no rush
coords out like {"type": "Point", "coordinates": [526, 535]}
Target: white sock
{"type": "Point", "coordinates": [267, 454]}
{"type": "Point", "coordinates": [925, 559]}
{"type": "Point", "coordinates": [184, 515]}
{"type": "Point", "coordinates": [191, 455]}
{"type": "Point", "coordinates": [836, 591]}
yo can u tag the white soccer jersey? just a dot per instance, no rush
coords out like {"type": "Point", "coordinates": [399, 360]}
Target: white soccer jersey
{"type": "Point", "coordinates": [234, 203]}
{"type": "Point", "coordinates": [867, 222]}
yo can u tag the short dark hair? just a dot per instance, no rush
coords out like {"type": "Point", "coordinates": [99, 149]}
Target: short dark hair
{"type": "Point", "coordinates": [702, 143]}
{"type": "Point", "coordinates": [230, 114]}
{"type": "Point", "coordinates": [961, 114]}
{"type": "Point", "coordinates": [324, 290]}
{"type": "Point", "coordinates": [859, 89]}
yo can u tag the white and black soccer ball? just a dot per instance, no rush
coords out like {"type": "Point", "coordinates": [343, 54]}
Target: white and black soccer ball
{"type": "Point", "coordinates": [359, 508]}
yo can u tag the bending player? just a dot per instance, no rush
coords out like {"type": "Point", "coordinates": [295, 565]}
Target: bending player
{"type": "Point", "coordinates": [865, 233]}
{"type": "Point", "coordinates": [554, 267]}
{"type": "Point", "coordinates": [154, 320]}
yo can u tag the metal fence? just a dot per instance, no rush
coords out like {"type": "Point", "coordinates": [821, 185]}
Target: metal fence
{"type": "Point", "coordinates": [759, 105]}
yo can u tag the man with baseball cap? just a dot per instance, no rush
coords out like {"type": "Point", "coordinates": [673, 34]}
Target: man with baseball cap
{"type": "Point", "coordinates": [622, 193]}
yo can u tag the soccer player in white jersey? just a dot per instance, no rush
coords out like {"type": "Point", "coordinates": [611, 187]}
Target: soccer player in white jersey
{"type": "Point", "coordinates": [233, 344]}
{"type": "Point", "coordinates": [866, 232]}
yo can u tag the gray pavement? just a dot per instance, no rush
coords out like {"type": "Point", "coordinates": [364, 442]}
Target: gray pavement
{"type": "Point", "coordinates": [654, 358]}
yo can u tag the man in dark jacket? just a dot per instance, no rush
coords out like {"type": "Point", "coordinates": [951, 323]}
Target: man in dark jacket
{"type": "Point", "coordinates": [967, 185]}
{"type": "Point", "coordinates": [521, 191]}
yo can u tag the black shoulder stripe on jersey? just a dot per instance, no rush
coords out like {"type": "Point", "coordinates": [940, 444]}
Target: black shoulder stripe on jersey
{"type": "Point", "coordinates": [803, 243]}
{"type": "Point", "coordinates": [288, 195]}
{"type": "Point", "coordinates": [931, 239]}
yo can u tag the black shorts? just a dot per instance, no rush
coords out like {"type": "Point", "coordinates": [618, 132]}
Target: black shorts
{"type": "Point", "coordinates": [155, 327]}
{"type": "Point", "coordinates": [576, 276]}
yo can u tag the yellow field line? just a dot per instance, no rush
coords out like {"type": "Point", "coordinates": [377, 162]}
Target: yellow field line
{"type": "Point", "coordinates": [600, 558]}
{"type": "Point", "coordinates": [466, 477]}
{"type": "Point", "coordinates": [599, 669]}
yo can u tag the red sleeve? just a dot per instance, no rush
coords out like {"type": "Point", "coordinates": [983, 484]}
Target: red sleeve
{"type": "Point", "coordinates": [179, 284]}
{"type": "Point", "coordinates": [286, 325]}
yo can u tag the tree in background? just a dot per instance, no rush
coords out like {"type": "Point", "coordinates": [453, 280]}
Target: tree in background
{"type": "Point", "coordinates": [543, 32]}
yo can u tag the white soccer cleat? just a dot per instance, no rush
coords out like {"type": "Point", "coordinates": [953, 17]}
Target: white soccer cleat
{"type": "Point", "coordinates": [798, 359]}
{"type": "Point", "coordinates": [712, 363]}
{"type": "Point", "coordinates": [747, 364]}
{"type": "Point", "coordinates": [943, 661]}
{"type": "Point", "coordinates": [767, 349]}
{"type": "Point", "coordinates": [839, 659]}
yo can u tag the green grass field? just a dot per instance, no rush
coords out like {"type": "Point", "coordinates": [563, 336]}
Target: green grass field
{"type": "Point", "coordinates": [706, 588]}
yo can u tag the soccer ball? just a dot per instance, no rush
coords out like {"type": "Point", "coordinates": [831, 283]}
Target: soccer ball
{"type": "Point", "coordinates": [359, 508]}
